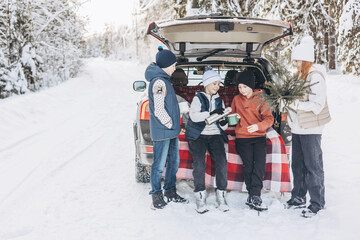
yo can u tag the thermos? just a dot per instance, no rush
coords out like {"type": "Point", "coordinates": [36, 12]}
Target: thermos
{"type": "Point", "coordinates": [213, 118]}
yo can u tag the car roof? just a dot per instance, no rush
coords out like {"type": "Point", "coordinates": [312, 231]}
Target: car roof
{"type": "Point", "coordinates": [204, 36]}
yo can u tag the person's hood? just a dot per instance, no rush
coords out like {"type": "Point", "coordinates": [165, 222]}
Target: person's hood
{"type": "Point", "coordinates": [154, 72]}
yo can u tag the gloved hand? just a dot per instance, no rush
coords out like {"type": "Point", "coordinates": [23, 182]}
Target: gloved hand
{"type": "Point", "coordinates": [223, 121]}
{"type": "Point", "coordinates": [218, 111]}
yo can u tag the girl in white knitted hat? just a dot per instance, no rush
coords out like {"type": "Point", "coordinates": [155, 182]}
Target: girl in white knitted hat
{"type": "Point", "coordinates": [307, 124]}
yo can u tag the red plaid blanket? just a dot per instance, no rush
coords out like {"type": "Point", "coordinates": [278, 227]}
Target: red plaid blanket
{"type": "Point", "coordinates": [226, 93]}
{"type": "Point", "coordinates": [277, 177]}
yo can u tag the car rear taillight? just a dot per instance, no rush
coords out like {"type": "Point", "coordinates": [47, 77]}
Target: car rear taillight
{"type": "Point", "coordinates": [147, 149]}
{"type": "Point", "coordinates": [144, 111]}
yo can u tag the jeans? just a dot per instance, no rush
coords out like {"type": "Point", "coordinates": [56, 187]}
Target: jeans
{"type": "Point", "coordinates": [253, 154]}
{"type": "Point", "coordinates": [165, 149]}
{"type": "Point", "coordinates": [215, 145]}
{"type": "Point", "coordinates": [307, 168]}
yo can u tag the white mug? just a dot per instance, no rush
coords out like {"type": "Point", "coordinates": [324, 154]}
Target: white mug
{"type": "Point", "coordinates": [184, 107]}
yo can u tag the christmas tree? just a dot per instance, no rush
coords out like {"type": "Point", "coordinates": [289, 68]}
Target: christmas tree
{"type": "Point", "coordinates": [285, 88]}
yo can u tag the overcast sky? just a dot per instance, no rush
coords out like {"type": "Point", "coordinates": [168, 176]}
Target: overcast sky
{"type": "Point", "coordinates": [107, 11]}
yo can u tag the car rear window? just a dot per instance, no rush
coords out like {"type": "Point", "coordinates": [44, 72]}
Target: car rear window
{"type": "Point", "coordinates": [192, 75]}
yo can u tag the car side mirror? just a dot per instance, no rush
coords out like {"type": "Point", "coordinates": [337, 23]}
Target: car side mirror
{"type": "Point", "coordinates": [139, 86]}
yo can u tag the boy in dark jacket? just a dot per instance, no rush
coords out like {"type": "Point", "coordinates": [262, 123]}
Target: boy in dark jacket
{"type": "Point", "coordinates": [209, 137]}
{"type": "Point", "coordinates": [250, 133]}
{"type": "Point", "coordinates": [164, 128]}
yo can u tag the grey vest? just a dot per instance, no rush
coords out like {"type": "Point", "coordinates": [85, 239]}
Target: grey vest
{"type": "Point", "coordinates": [310, 119]}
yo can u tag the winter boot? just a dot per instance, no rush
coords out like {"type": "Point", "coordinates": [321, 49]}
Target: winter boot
{"type": "Point", "coordinates": [201, 202]}
{"type": "Point", "coordinates": [158, 201]}
{"type": "Point", "coordinates": [172, 196]}
{"type": "Point", "coordinates": [255, 202]}
{"type": "Point", "coordinates": [310, 211]}
{"type": "Point", "coordinates": [296, 202]}
{"type": "Point", "coordinates": [221, 201]}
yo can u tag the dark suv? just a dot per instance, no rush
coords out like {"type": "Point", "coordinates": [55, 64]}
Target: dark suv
{"type": "Point", "coordinates": [229, 45]}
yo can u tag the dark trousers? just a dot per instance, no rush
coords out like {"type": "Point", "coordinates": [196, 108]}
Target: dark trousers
{"type": "Point", "coordinates": [215, 146]}
{"type": "Point", "coordinates": [307, 168]}
{"type": "Point", "coordinates": [253, 154]}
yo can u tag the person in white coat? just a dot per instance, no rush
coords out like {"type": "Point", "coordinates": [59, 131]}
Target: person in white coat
{"type": "Point", "coordinates": [307, 124]}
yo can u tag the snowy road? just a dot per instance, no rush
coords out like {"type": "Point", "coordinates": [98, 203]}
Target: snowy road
{"type": "Point", "coordinates": [67, 170]}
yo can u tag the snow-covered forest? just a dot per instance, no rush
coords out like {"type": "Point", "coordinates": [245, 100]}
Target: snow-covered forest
{"type": "Point", "coordinates": [40, 44]}
{"type": "Point", "coordinates": [43, 42]}
{"type": "Point", "coordinates": [334, 24]}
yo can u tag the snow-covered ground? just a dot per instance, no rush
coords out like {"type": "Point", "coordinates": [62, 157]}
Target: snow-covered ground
{"type": "Point", "coordinates": [67, 170]}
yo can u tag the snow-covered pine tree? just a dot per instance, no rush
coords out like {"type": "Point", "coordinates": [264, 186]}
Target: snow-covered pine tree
{"type": "Point", "coordinates": [307, 18]}
{"type": "Point", "coordinates": [35, 30]}
{"type": "Point", "coordinates": [59, 32]}
{"type": "Point", "coordinates": [330, 37]}
{"type": "Point", "coordinates": [226, 7]}
{"type": "Point", "coordinates": [274, 10]}
{"type": "Point", "coordinates": [17, 35]}
{"type": "Point", "coordinates": [146, 12]}
{"type": "Point", "coordinates": [3, 24]}
{"type": "Point", "coordinates": [122, 43]}
{"type": "Point", "coordinates": [108, 40]}
{"type": "Point", "coordinates": [5, 83]}
{"type": "Point", "coordinates": [93, 46]}
{"type": "Point", "coordinates": [245, 8]}
{"type": "Point", "coordinates": [3, 43]}
{"type": "Point", "coordinates": [30, 61]}
{"type": "Point", "coordinates": [349, 37]}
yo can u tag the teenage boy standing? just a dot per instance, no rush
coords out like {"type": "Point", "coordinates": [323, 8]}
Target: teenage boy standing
{"type": "Point", "coordinates": [164, 128]}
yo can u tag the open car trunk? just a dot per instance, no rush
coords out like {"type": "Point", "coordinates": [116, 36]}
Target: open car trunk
{"type": "Point", "coordinates": [203, 37]}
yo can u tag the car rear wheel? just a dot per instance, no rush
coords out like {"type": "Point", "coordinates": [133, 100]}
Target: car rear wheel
{"type": "Point", "coordinates": [142, 172]}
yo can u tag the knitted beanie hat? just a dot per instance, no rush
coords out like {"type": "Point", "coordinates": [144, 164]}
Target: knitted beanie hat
{"type": "Point", "coordinates": [246, 77]}
{"type": "Point", "coordinates": [210, 76]}
{"type": "Point", "coordinates": [305, 50]}
{"type": "Point", "coordinates": [165, 58]}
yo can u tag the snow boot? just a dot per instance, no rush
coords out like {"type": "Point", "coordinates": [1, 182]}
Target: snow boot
{"type": "Point", "coordinates": [221, 201]}
{"type": "Point", "coordinates": [158, 201]}
{"type": "Point", "coordinates": [296, 202]}
{"type": "Point", "coordinates": [172, 196]}
{"type": "Point", "coordinates": [255, 202]}
{"type": "Point", "coordinates": [310, 211]}
{"type": "Point", "coordinates": [201, 202]}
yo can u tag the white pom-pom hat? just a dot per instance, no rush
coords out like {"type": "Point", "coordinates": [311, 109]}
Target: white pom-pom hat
{"type": "Point", "coordinates": [305, 50]}
{"type": "Point", "coordinates": [210, 76]}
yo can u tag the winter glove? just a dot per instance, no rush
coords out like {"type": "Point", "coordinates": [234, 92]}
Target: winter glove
{"type": "Point", "coordinates": [223, 122]}
{"type": "Point", "coordinates": [218, 111]}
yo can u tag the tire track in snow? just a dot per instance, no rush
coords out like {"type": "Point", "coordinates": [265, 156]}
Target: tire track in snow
{"type": "Point", "coordinates": [43, 135]}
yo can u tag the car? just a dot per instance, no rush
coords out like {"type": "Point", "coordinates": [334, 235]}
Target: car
{"type": "Point", "coordinates": [229, 45]}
